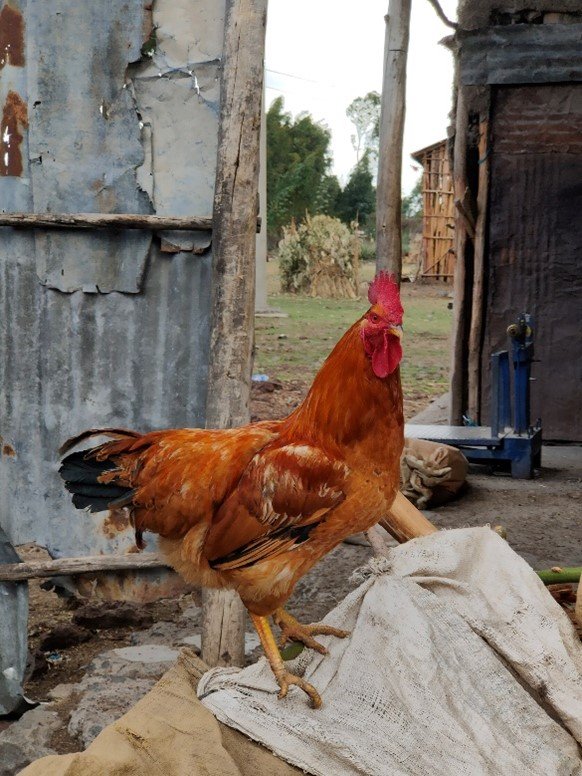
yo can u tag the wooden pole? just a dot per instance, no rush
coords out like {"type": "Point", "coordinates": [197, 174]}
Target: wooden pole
{"type": "Point", "coordinates": [477, 312]}
{"type": "Point", "coordinates": [104, 221]}
{"type": "Point", "coordinates": [233, 280]}
{"type": "Point", "coordinates": [90, 564]}
{"type": "Point", "coordinates": [405, 521]}
{"type": "Point", "coordinates": [457, 405]}
{"type": "Point", "coordinates": [389, 189]}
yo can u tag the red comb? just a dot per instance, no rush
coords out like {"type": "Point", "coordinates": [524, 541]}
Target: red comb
{"type": "Point", "coordinates": [384, 291]}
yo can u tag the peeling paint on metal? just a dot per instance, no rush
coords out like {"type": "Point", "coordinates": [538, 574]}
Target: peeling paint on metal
{"type": "Point", "coordinates": [11, 37]}
{"type": "Point", "coordinates": [85, 133]}
{"type": "Point", "coordinates": [116, 521]}
{"type": "Point", "coordinates": [14, 122]}
{"type": "Point", "coordinates": [194, 242]}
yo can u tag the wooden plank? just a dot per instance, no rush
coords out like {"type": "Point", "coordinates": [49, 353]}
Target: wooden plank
{"type": "Point", "coordinates": [233, 281]}
{"type": "Point", "coordinates": [91, 564]}
{"type": "Point", "coordinates": [477, 303]}
{"type": "Point", "coordinates": [104, 221]}
{"type": "Point", "coordinates": [389, 189]}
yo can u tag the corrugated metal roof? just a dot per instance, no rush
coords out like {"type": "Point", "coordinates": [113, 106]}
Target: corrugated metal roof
{"type": "Point", "coordinates": [521, 54]}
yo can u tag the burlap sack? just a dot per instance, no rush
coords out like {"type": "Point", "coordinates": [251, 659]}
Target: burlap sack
{"type": "Point", "coordinates": [459, 663]}
{"type": "Point", "coordinates": [431, 473]}
{"type": "Point", "coordinates": [168, 733]}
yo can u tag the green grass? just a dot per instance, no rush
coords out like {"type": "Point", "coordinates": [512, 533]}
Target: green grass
{"type": "Point", "coordinates": [294, 348]}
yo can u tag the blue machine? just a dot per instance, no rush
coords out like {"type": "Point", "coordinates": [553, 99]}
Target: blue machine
{"type": "Point", "coordinates": [516, 445]}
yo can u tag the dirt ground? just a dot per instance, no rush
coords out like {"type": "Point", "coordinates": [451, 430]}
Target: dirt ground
{"type": "Point", "coordinates": [542, 518]}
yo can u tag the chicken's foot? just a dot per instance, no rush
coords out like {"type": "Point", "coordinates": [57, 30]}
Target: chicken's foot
{"type": "Point", "coordinates": [284, 678]}
{"type": "Point", "coordinates": [292, 630]}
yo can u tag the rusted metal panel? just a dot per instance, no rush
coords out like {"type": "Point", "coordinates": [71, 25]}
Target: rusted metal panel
{"type": "Point", "coordinates": [13, 633]}
{"type": "Point", "coordinates": [521, 54]}
{"type": "Point", "coordinates": [541, 121]}
{"type": "Point", "coordinates": [138, 586]}
{"type": "Point", "coordinates": [535, 243]}
{"type": "Point", "coordinates": [84, 140]}
{"type": "Point", "coordinates": [73, 360]}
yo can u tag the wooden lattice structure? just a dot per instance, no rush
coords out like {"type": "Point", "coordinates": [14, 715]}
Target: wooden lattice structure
{"type": "Point", "coordinates": [438, 222]}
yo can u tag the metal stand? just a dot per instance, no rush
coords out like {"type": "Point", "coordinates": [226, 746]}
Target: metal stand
{"type": "Point", "coordinates": [519, 448]}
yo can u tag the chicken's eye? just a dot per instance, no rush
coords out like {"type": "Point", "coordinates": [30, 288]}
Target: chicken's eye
{"type": "Point", "coordinates": [374, 318]}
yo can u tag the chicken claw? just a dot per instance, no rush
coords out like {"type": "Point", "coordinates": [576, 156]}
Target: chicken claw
{"type": "Point", "coordinates": [292, 630]}
{"type": "Point", "coordinates": [285, 678]}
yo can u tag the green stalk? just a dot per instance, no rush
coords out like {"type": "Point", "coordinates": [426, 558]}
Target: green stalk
{"type": "Point", "coordinates": [571, 574]}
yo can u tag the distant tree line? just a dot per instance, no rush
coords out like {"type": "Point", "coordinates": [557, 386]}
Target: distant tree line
{"type": "Point", "coordinates": [299, 178]}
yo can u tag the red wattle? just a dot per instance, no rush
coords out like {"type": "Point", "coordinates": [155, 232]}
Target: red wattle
{"type": "Point", "coordinates": [386, 355]}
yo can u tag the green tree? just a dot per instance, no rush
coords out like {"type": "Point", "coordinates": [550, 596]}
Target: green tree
{"type": "Point", "coordinates": [364, 113]}
{"type": "Point", "coordinates": [298, 161]}
{"type": "Point", "coordinates": [357, 201]}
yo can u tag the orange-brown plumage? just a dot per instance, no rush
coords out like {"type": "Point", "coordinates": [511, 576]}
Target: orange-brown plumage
{"type": "Point", "coordinates": [255, 508]}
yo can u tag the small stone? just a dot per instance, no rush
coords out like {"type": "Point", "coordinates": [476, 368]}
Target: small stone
{"type": "Point", "coordinates": [27, 739]}
{"type": "Point", "coordinates": [63, 635]}
{"type": "Point", "coordinates": [147, 653]}
{"type": "Point", "coordinates": [194, 641]}
{"type": "Point", "coordinates": [61, 692]}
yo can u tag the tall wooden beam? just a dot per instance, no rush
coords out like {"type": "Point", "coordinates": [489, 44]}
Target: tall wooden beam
{"type": "Point", "coordinates": [234, 244]}
{"type": "Point", "coordinates": [460, 324]}
{"type": "Point", "coordinates": [477, 301]}
{"type": "Point", "coordinates": [389, 189]}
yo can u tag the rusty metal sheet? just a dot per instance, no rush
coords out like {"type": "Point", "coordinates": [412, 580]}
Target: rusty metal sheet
{"type": "Point", "coordinates": [535, 238]}
{"type": "Point", "coordinates": [84, 140]}
{"type": "Point", "coordinates": [73, 360]}
{"type": "Point", "coordinates": [92, 123]}
{"type": "Point", "coordinates": [521, 54]}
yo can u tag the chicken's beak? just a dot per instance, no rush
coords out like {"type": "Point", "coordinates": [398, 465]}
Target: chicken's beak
{"type": "Point", "coordinates": [396, 331]}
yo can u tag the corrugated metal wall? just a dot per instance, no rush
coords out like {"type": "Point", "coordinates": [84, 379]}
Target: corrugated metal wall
{"type": "Point", "coordinates": [101, 329]}
{"type": "Point", "coordinates": [535, 243]}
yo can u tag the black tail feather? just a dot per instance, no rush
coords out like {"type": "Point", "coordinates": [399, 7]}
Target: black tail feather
{"type": "Point", "coordinates": [81, 472]}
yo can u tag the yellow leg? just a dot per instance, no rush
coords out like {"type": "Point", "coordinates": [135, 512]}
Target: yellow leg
{"type": "Point", "coordinates": [293, 630]}
{"type": "Point", "coordinates": [284, 678]}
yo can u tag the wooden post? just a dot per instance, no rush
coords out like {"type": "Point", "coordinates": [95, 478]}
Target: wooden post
{"type": "Point", "coordinates": [457, 405]}
{"type": "Point", "coordinates": [234, 245]}
{"type": "Point", "coordinates": [477, 312]}
{"type": "Point", "coordinates": [389, 189]}
{"type": "Point", "coordinates": [405, 521]}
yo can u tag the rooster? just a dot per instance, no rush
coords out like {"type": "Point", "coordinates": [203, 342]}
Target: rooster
{"type": "Point", "coordinates": [254, 508]}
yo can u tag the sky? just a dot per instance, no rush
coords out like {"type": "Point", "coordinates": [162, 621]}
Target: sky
{"type": "Point", "coordinates": [321, 54]}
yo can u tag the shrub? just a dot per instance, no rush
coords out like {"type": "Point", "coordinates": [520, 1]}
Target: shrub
{"type": "Point", "coordinates": [319, 258]}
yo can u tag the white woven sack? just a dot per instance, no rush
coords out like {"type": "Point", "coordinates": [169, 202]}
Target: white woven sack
{"type": "Point", "coordinates": [460, 663]}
